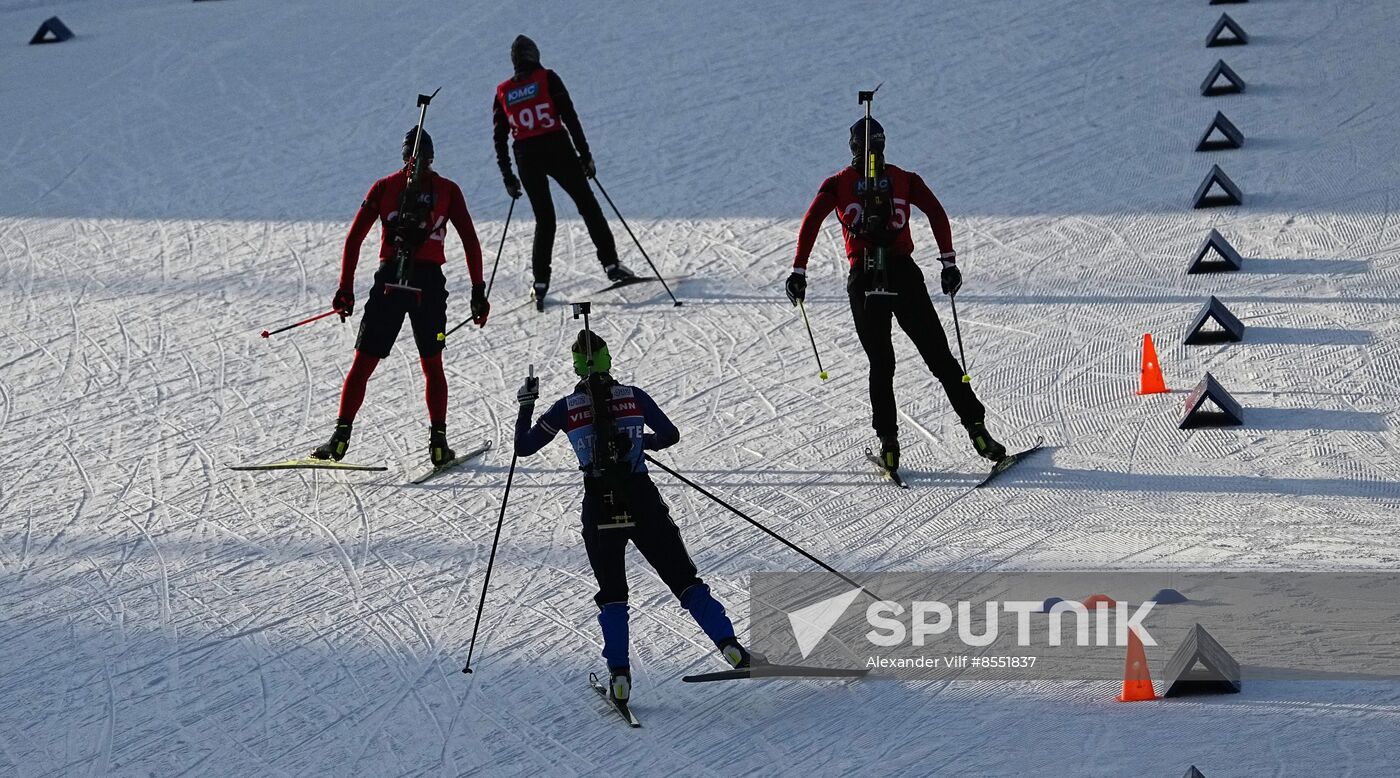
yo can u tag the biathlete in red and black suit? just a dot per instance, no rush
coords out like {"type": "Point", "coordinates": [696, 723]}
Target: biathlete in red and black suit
{"type": "Point", "coordinates": [441, 202]}
{"type": "Point", "coordinates": [534, 108]}
{"type": "Point", "coordinates": [910, 303]}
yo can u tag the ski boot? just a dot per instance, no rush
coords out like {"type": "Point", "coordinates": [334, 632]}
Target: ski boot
{"type": "Point", "coordinates": [336, 447]}
{"type": "Point", "coordinates": [738, 657]}
{"type": "Point", "coordinates": [620, 684]}
{"type": "Point", "coordinates": [889, 452]}
{"type": "Point", "coordinates": [537, 293]}
{"type": "Point", "coordinates": [438, 450]}
{"type": "Point", "coordinates": [987, 446]}
{"type": "Point", "coordinates": [617, 273]}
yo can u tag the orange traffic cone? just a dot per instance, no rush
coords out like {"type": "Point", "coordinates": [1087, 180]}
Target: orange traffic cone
{"type": "Point", "coordinates": [1137, 681]}
{"type": "Point", "coordinates": [1099, 601]}
{"type": "Point", "coordinates": [1152, 382]}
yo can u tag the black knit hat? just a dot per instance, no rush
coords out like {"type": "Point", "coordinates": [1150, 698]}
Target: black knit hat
{"type": "Point", "coordinates": [425, 146]}
{"type": "Point", "coordinates": [877, 137]}
{"type": "Point", "coordinates": [523, 53]}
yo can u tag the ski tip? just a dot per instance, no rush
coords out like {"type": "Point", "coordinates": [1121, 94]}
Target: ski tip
{"type": "Point", "coordinates": [266, 334]}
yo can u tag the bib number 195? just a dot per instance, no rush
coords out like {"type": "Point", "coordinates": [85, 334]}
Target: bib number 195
{"type": "Point", "coordinates": [532, 117]}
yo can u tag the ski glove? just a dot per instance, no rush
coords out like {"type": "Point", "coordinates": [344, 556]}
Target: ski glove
{"type": "Point", "coordinates": [951, 278]}
{"type": "Point", "coordinates": [513, 187]}
{"type": "Point", "coordinates": [481, 308]}
{"type": "Point", "coordinates": [589, 169]}
{"type": "Point", "coordinates": [344, 303]}
{"type": "Point", "coordinates": [797, 287]}
{"type": "Point", "coordinates": [623, 445]}
{"type": "Point", "coordinates": [529, 392]}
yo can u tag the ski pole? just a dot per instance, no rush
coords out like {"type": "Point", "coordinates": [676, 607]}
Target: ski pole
{"type": "Point", "coordinates": [953, 301]}
{"type": "Point", "coordinates": [490, 563]}
{"type": "Point", "coordinates": [492, 283]}
{"type": "Point", "coordinates": [770, 532]}
{"type": "Point", "coordinates": [822, 371]}
{"type": "Point", "coordinates": [497, 264]}
{"type": "Point", "coordinates": [267, 334]}
{"type": "Point", "coordinates": [510, 476]}
{"type": "Point", "coordinates": [638, 242]}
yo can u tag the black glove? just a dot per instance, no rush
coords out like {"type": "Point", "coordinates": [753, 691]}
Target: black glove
{"type": "Point", "coordinates": [797, 287]}
{"type": "Point", "coordinates": [344, 303]}
{"type": "Point", "coordinates": [623, 445]}
{"type": "Point", "coordinates": [528, 393]}
{"type": "Point", "coordinates": [951, 278]}
{"type": "Point", "coordinates": [512, 186]}
{"type": "Point", "coordinates": [589, 169]}
{"type": "Point", "coordinates": [481, 308]}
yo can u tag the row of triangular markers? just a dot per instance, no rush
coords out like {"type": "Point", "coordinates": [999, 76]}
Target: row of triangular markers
{"type": "Point", "coordinates": [1211, 668]}
{"type": "Point", "coordinates": [1215, 254]}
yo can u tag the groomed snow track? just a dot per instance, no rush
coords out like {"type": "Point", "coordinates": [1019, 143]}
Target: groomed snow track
{"type": "Point", "coordinates": [180, 175]}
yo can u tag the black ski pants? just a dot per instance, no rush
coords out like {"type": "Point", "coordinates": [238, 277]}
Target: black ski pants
{"type": "Point", "coordinates": [386, 308]}
{"type": "Point", "coordinates": [914, 310]}
{"type": "Point", "coordinates": [655, 535]}
{"type": "Point", "coordinates": [552, 156]}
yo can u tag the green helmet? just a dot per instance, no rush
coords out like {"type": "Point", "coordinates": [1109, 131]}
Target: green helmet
{"type": "Point", "coordinates": [586, 341]}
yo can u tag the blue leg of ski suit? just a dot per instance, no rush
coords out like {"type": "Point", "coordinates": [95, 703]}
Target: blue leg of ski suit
{"type": "Point", "coordinates": [659, 540]}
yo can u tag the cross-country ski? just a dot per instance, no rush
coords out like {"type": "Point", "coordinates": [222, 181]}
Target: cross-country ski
{"type": "Point", "coordinates": [759, 672]}
{"type": "Point", "coordinates": [886, 471]}
{"type": "Point", "coordinates": [460, 459]}
{"type": "Point", "coordinates": [1010, 460]}
{"type": "Point", "coordinates": [621, 706]}
{"type": "Point", "coordinates": [310, 463]}
{"type": "Point", "coordinates": [626, 282]}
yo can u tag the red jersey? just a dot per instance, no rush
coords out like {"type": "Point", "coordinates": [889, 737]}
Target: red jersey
{"type": "Point", "coordinates": [529, 106]}
{"type": "Point", "coordinates": [382, 204]}
{"type": "Point", "coordinates": [839, 193]}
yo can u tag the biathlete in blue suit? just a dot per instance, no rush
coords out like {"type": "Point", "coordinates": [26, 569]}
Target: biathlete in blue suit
{"type": "Point", "coordinates": [606, 424]}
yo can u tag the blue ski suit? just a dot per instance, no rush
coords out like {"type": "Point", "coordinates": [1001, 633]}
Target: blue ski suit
{"type": "Point", "coordinates": [654, 533]}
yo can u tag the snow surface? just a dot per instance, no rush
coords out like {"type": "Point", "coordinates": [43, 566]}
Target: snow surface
{"type": "Point", "coordinates": [180, 176]}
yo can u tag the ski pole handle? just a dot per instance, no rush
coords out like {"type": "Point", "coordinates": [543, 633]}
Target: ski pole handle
{"type": "Point", "coordinates": [331, 312]}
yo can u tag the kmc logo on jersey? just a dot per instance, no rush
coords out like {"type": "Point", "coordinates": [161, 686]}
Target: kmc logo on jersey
{"type": "Point", "coordinates": [522, 93]}
{"type": "Point", "coordinates": [882, 184]}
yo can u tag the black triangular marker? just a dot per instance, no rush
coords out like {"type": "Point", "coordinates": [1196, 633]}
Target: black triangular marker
{"type": "Point", "coordinates": [1230, 414]}
{"type": "Point", "coordinates": [1238, 37]}
{"type": "Point", "coordinates": [1231, 328]}
{"type": "Point", "coordinates": [1231, 193]}
{"type": "Point", "coordinates": [1221, 673]}
{"type": "Point", "coordinates": [1235, 84]}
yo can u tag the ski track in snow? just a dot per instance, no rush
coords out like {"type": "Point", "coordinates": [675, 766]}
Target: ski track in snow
{"type": "Point", "coordinates": [189, 181]}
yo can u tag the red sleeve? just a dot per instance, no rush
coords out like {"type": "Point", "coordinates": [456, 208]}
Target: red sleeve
{"type": "Point", "coordinates": [462, 222]}
{"type": "Point", "coordinates": [822, 206]}
{"type": "Point", "coordinates": [364, 220]}
{"type": "Point", "coordinates": [921, 196]}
